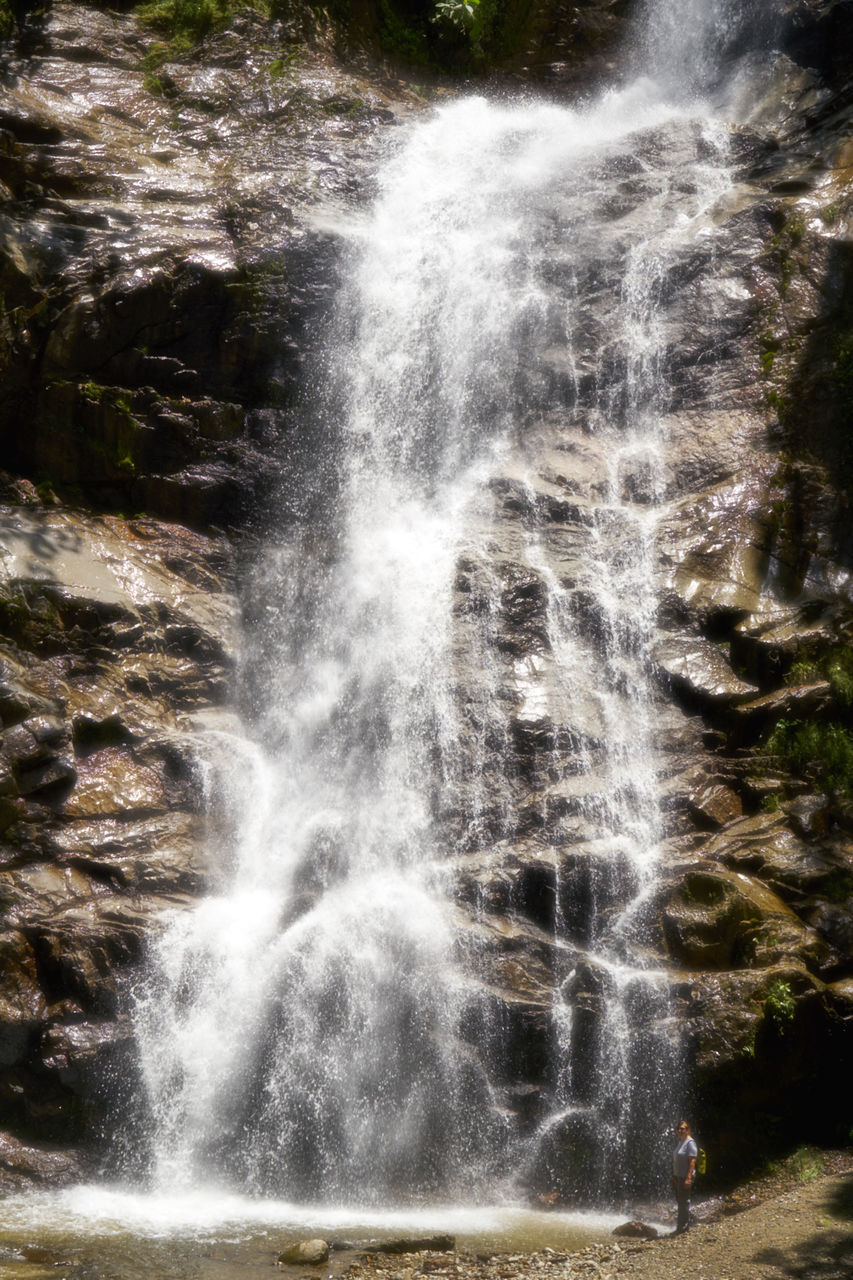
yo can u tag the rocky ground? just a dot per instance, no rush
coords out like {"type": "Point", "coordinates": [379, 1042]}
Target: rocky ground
{"type": "Point", "coordinates": [788, 1232]}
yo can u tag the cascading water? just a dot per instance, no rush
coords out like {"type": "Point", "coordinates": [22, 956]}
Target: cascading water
{"type": "Point", "coordinates": [324, 1026]}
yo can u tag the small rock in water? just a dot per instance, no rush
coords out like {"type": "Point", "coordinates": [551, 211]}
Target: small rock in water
{"type": "Point", "coordinates": [638, 1230]}
{"type": "Point", "coordinates": [307, 1253]}
{"type": "Point", "coordinates": [435, 1244]}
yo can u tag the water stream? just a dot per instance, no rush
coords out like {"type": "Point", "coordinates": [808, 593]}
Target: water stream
{"type": "Point", "coordinates": [325, 1028]}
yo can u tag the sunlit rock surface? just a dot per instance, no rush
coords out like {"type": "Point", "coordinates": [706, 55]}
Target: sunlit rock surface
{"type": "Point", "coordinates": [166, 249]}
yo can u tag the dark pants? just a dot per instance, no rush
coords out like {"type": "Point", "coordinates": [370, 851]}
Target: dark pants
{"type": "Point", "coordinates": [682, 1199]}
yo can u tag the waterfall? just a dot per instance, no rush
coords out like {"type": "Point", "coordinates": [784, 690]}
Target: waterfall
{"type": "Point", "coordinates": [325, 1025]}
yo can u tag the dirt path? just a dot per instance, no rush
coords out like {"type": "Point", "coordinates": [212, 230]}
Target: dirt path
{"type": "Point", "coordinates": [804, 1234]}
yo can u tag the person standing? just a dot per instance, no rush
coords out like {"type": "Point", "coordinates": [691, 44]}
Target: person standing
{"type": "Point", "coordinates": [683, 1173]}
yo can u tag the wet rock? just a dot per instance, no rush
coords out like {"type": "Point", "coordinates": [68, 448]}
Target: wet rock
{"type": "Point", "coordinates": [801, 700]}
{"type": "Point", "coordinates": [22, 1001]}
{"type": "Point", "coordinates": [36, 1165]}
{"type": "Point", "coordinates": [81, 1054]}
{"type": "Point", "coordinates": [720, 921]}
{"type": "Point", "coordinates": [699, 669]}
{"type": "Point", "coordinates": [636, 1231]}
{"type": "Point", "coordinates": [715, 805]}
{"type": "Point", "coordinates": [423, 1244]}
{"type": "Point", "coordinates": [304, 1253]}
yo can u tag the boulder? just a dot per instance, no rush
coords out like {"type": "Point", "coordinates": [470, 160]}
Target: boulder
{"type": "Point", "coordinates": [304, 1253]}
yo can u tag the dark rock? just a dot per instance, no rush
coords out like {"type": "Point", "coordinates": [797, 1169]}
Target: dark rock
{"type": "Point", "coordinates": [423, 1244]}
{"type": "Point", "coordinates": [636, 1231]}
{"type": "Point", "coordinates": [36, 1165]}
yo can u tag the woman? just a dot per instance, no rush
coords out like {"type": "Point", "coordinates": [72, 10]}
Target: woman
{"type": "Point", "coordinates": [683, 1173]}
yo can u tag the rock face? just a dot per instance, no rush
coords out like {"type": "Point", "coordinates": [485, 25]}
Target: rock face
{"type": "Point", "coordinates": [166, 249]}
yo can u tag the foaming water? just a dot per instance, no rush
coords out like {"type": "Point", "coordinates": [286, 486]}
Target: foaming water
{"type": "Point", "coordinates": [102, 1212]}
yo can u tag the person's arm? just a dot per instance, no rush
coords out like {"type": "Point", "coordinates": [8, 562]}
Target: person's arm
{"type": "Point", "coordinates": [693, 1152]}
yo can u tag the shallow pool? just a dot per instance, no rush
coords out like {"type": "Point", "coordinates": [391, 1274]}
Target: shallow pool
{"type": "Point", "coordinates": [103, 1233]}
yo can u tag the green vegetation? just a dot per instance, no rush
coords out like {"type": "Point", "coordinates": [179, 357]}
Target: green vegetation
{"type": "Point", "coordinates": [436, 34]}
{"type": "Point", "coordinates": [838, 885]}
{"type": "Point", "coordinates": [119, 397]}
{"type": "Point", "coordinates": [7, 20]}
{"type": "Point", "coordinates": [784, 244]}
{"type": "Point", "coordinates": [822, 752]}
{"type": "Point", "coordinates": [481, 22]}
{"type": "Point", "coordinates": [472, 18]}
{"type": "Point", "coordinates": [836, 666]}
{"type": "Point", "coordinates": [805, 1164]}
{"type": "Point", "coordinates": [186, 20]}
{"type": "Point", "coordinates": [779, 1006]}
{"type": "Point", "coordinates": [830, 213]}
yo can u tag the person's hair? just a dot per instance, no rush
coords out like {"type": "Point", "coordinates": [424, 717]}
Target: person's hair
{"type": "Point", "coordinates": [685, 1124]}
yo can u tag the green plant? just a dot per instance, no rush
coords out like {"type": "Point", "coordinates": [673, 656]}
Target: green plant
{"type": "Point", "coordinates": [821, 751]}
{"type": "Point", "coordinates": [474, 19]}
{"type": "Point", "coordinates": [796, 228]}
{"type": "Point", "coordinates": [7, 20]}
{"type": "Point", "coordinates": [462, 14]}
{"type": "Point", "coordinates": [840, 677]}
{"type": "Point", "coordinates": [406, 39]}
{"type": "Point", "coordinates": [779, 1006]}
{"type": "Point", "coordinates": [802, 672]}
{"type": "Point", "coordinates": [838, 885]}
{"type": "Point", "coordinates": [835, 666]}
{"type": "Point", "coordinates": [190, 19]}
{"type": "Point", "coordinates": [807, 1163]}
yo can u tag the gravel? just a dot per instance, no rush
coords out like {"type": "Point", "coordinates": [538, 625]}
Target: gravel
{"type": "Point", "coordinates": [769, 1230]}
